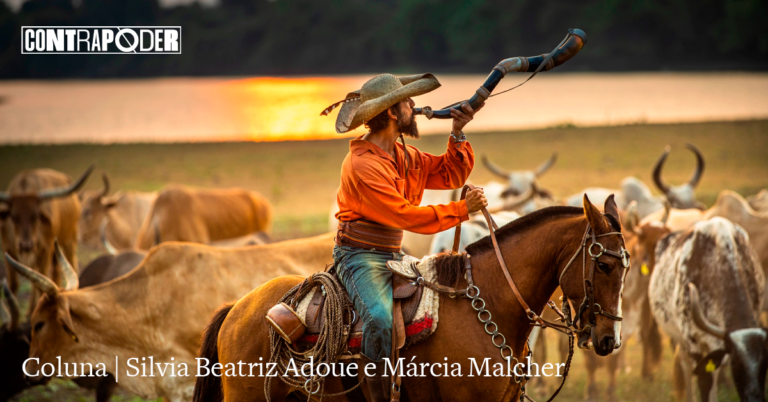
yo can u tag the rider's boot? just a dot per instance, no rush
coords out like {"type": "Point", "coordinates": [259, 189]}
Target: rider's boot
{"type": "Point", "coordinates": [378, 385]}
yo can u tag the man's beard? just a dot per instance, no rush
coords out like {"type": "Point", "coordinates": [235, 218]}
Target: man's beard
{"type": "Point", "coordinates": [408, 128]}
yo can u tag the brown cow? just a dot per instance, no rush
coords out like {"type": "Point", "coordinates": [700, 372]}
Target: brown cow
{"type": "Point", "coordinates": [123, 213]}
{"type": "Point", "coordinates": [14, 335]}
{"type": "Point", "coordinates": [159, 309]}
{"type": "Point", "coordinates": [39, 207]}
{"type": "Point", "coordinates": [204, 216]}
{"type": "Point", "coordinates": [759, 201]}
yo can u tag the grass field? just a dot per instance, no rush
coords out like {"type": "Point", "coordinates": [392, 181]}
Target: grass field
{"type": "Point", "coordinates": [300, 179]}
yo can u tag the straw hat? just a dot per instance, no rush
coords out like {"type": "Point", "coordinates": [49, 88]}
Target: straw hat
{"type": "Point", "coordinates": [377, 95]}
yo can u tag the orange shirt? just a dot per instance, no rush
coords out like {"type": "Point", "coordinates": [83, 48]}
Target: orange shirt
{"type": "Point", "coordinates": [374, 187]}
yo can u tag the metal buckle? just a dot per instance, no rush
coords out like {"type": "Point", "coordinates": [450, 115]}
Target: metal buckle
{"type": "Point", "coordinates": [308, 384]}
{"type": "Point", "coordinates": [594, 256]}
{"type": "Point", "coordinates": [625, 258]}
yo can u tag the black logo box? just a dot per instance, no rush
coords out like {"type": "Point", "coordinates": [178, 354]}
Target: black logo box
{"type": "Point", "coordinates": [101, 40]}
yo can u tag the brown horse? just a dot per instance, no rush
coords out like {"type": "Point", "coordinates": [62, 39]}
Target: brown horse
{"type": "Point", "coordinates": [537, 249]}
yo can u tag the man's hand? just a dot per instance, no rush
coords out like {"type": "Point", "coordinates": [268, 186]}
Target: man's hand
{"type": "Point", "coordinates": [476, 200]}
{"type": "Point", "coordinates": [463, 116]}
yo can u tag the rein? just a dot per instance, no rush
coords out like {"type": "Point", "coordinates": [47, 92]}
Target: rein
{"type": "Point", "coordinates": [569, 327]}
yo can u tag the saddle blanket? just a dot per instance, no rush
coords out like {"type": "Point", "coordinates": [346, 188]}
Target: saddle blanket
{"type": "Point", "coordinates": [423, 325]}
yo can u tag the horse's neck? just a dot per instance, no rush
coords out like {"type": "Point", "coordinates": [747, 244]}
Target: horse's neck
{"type": "Point", "coordinates": [534, 256]}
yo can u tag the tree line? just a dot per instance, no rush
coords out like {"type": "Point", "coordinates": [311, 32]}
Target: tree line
{"type": "Point", "coordinates": [290, 37]}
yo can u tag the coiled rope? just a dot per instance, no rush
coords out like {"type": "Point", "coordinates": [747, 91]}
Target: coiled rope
{"type": "Point", "coordinates": [331, 342]}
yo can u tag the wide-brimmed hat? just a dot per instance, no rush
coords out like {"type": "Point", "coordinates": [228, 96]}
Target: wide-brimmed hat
{"type": "Point", "coordinates": [377, 95]}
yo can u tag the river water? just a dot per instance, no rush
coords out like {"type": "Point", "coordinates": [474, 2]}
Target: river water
{"type": "Point", "coordinates": [273, 108]}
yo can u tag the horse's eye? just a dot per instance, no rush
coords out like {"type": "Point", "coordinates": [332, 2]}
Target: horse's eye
{"type": "Point", "coordinates": [603, 267]}
{"type": "Point", "coordinates": [39, 326]}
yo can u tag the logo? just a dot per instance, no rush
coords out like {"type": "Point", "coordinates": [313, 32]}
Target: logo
{"type": "Point", "coordinates": [100, 40]}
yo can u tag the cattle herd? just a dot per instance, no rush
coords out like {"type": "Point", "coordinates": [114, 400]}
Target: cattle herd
{"type": "Point", "coordinates": [171, 258]}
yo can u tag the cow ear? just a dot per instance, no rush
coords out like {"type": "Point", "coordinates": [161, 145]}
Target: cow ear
{"type": "Point", "coordinates": [110, 201]}
{"type": "Point", "coordinates": [594, 216]}
{"type": "Point", "coordinates": [710, 362]}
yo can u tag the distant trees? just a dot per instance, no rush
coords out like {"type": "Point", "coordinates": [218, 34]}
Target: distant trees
{"type": "Point", "coordinates": [281, 37]}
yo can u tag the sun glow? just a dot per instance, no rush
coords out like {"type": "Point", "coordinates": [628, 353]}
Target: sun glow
{"type": "Point", "coordinates": [275, 109]}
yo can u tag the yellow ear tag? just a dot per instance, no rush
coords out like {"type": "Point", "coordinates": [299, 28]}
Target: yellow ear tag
{"type": "Point", "coordinates": [710, 367]}
{"type": "Point", "coordinates": [644, 269]}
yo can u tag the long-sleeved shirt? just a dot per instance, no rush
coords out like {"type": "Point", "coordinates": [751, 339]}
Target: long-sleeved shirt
{"type": "Point", "coordinates": [374, 187]}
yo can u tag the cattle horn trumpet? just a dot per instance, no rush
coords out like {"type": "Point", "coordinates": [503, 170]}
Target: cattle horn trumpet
{"type": "Point", "coordinates": [39, 280]}
{"type": "Point", "coordinates": [565, 50]}
{"type": "Point", "coordinates": [13, 306]}
{"type": "Point", "coordinates": [69, 273]}
{"type": "Point", "coordinates": [699, 318]}
{"type": "Point", "coordinates": [65, 191]}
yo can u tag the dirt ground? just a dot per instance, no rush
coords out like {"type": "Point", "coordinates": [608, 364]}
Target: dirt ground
{"type": "Point", "coordinates": [300, 179]}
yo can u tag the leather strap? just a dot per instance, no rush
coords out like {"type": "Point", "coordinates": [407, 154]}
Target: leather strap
{"type": "Point", "coordinates": [493, 227]}
{"type": "Point", "coordinates": [457, 235]}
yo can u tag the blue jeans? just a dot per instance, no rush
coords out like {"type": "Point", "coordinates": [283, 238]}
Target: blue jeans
{"type": "Point", "coordinates": [365, 275]}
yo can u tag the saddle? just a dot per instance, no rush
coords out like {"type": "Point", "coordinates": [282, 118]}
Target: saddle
{"type": "Point", "coordinates": [406, 293]}
{"type": "Point", "coordinates": [301, 325]}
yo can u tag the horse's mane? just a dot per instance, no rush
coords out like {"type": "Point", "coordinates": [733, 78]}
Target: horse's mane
{"type": "Point", "coordinates": [451, 267]}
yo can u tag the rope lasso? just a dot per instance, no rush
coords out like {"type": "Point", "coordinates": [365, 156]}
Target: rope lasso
{"type": "Point", "coordinates": [331, 342]}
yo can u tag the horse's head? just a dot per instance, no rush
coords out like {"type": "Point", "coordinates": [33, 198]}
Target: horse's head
{"type": "Point", "coordinates": [602, 278]}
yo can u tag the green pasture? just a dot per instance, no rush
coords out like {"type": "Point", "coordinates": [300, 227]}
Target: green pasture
{"type": "Point", "coordinates": [300, 179]}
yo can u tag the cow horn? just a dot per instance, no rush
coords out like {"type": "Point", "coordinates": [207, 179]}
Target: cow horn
{"type": "Point", "coordinates": [65, 191]}
{"type": "Point", "coordinates": [69, 273]}
{"type": "Point", "coordinates": [699, 319]}
{"type": "Point", "coordinates": [105, 179]}
{"type": "Point", "coordinates": [657, 171]}
{"type": "Point", "coordinates": [13, 305]}
{"type": "Point", "coordinates": [633, 220]}
{"type": "Point", "coordinates": [39, 280]}
{"type": "Point", "coordinates": [667, 210]}
{"type": "Point", "coordinates": [546, 165]}
{"type": "Point", "coordinates": [103, 233]}
{"type": "Point", "coordinates": [699, 166]}
{"type": "Point", "coordinates": [494, 168]}
{"type": "Point", "coordinates": [517, 201]}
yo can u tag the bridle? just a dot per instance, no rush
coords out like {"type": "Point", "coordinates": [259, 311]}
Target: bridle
{"type": "Point", "coordinates": [569, 326]}
{"type": "Point", "coordinates": [588, 281]}
{"type": "Point", "coordinates": [589, 303]}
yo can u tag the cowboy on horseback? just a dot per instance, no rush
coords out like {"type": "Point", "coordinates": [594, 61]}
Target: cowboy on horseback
{"type": "Point", "coordinates": [382, 183]}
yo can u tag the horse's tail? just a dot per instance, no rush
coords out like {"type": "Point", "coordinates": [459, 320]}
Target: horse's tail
{"type": "Point", "coordinates": [208, 388]}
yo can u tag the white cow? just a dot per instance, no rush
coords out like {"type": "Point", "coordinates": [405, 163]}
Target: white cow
{"type": "Point", "coordinates": [706, 294]}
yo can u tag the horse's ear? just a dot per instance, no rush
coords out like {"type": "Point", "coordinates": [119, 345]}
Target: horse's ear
{"type": "Point", "coordinates": [594, 216]}
{"type": "Point", "coordinates": [611, 209]}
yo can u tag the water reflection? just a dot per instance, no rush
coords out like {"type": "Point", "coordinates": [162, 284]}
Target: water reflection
{"type": "Point", "coordinates": [271, 109]}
